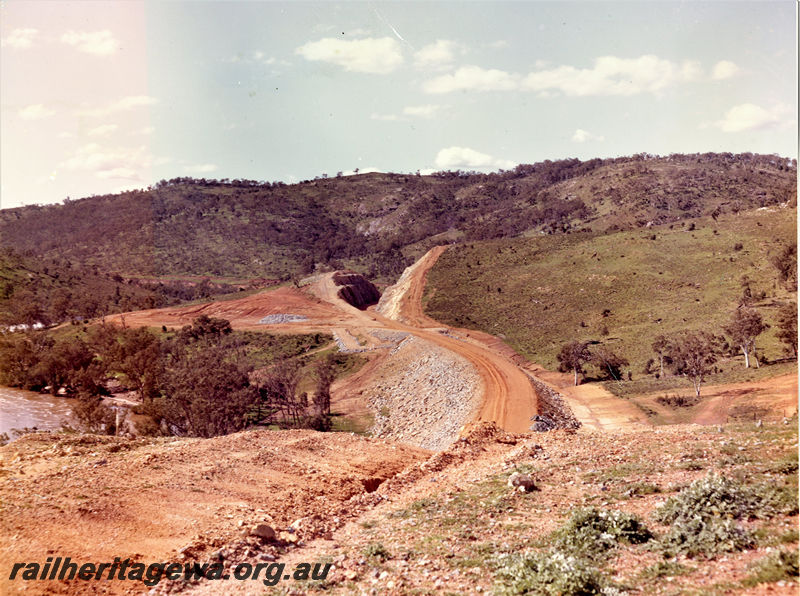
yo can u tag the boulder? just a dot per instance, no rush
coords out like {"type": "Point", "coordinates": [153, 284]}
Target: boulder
{"type": "Point", "coordinates": [522, 482]}
{"type": "Point", "coordinates": [263, 531]}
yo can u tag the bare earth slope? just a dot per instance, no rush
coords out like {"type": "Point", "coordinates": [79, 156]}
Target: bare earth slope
{"type": "Point", "coordinates": [95, 498]}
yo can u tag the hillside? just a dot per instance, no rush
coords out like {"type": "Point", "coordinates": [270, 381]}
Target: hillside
{"type": "Point", "coordinates": [392, 519]}
{"type": "Point", "coordinates": [618, 289]}
{"type": "Point", "coordinates": [377, 223]}
{"type": "Point", "coordinates": [51, 289]}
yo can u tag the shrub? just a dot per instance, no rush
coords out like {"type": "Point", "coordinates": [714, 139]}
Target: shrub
{"type": "Point", "coordinates": [781, 565]}
{"type": "Point", "coordinates": [640, 489]}
{"type": "Point", "coordinates": [713, 495]}
{"type": "Point", "coordinates": [376, 550]}
{"type": "Point", "coordinates": [678, 401]}
{"type": "Point", "coordinates": [553, 573]}
{"type": "Point", "coordinates": [591, 532]}
{"type": "Point", "coordinates": [666, 569]}
{"type": "Point", "coordinates": [704, 537]}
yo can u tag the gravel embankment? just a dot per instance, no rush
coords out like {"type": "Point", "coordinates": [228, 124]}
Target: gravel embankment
{"type": "Point", "coordinates": [425, 397]}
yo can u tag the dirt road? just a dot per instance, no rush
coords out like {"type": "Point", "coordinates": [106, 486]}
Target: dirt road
{"type": "Point", "coordinates": [508, 397]}
{"type": "Point", "coordinates": [508, 400]}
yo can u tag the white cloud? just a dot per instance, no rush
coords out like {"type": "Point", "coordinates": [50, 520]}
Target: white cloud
{"type": "Point", "coordinates": [122, 105]}
{"type": "Point", "coordinates": [370, 55]}
{"type": "Point", "coordinates": [384, 117]}
{"type": "Point", "coordinates": [120, 162]}
{"type": "Point", "coordinates": [611, 75]}
{"type": "Point", "coordinates": [426, 111]}
{"type": "Point", "coordinates": [103, 130]}
{"type": "Point", "coordinates": [133, 101]}
{"type": "Point", "coordinates": [724, 69]}
{"type": "Point", "coordinates": [582, 136]}
{"type": "Point", "coordinates": [437, 55]}
{"type": "Point", "coordinates": [36, 111]}
{"type": "Point", "coordinates": [147, 130]}
{"type": "Point", "coordinates": [748, 116]}
{"type": "Point", "coordinates": [99, 43]}
{"type": "Point", "coordinates": [464, 157]}
{"type": "Point", "coordinates": [20, 39]}
{"type": "Point", "coordinates": [201, 168]}
{"type": "Point", "coordinates": [472, 78]}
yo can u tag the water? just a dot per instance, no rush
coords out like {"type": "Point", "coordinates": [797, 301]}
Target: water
{"type": "Point", "coordinates": [21, 409]}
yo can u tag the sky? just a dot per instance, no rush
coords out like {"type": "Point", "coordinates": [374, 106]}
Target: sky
{"type": "Point", "coordinates": [101, 97]}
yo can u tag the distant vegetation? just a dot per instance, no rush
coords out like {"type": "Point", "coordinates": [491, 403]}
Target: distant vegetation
{"type": "Point", "coordinates": [375, 222]}
{"type": "Point", "coordinates": [203, 380]}
{"type": "Point", "coordinates": [614, 295]}
{"type": "Point", "coordinates": [53, 290]}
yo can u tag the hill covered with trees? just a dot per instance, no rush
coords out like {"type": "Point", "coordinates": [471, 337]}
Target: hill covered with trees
{"type": "Point", "coordinates": [373, 223]}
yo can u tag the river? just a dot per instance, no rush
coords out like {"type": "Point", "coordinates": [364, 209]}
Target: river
{"type": "Point", "coordinates": [21, 409]}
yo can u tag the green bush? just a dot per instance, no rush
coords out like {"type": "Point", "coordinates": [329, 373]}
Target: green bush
{"type": "Point", "coordinates": [704, 537]}
{"type": "Point", "coordinates": [777, 566]}
{"type": "Point", "coordinates": [377, 551]}
{"type": "Point", "coordinates": [787, 465]}
{"type": "Point", "coordinates": [591, 532]}
{"type": "Point", "coordinates": [712, 496]}
{"type": "Point", "coordinates": [553, 573]}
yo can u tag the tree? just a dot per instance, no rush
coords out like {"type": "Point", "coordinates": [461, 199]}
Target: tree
{"type": "Point", "coordinates": [787, 327]}
{"type": "Point", "coordinates": [786, 264]}
{"type": "Point", "coordinates": [279, 393]}
{"type": "Point", "coordinates": [94, 416]}
{"type": "Point", "coordinates": [205, 327]}
{"type": "Point", "coordinates": [743, 329]}
{"type": "Point", "coordinates": [572, 357]}
{"type": "Point", "coordinates": [206, 395]}
{"type": "Point", "coordinates": [137, 354]}
{"type": "Point", "coordinates": [660, 346]}
{"type": "Point", "coordinates": [325, 374]}
{"type": "Point", "coordinates": [608, 363]}
{"type": "Point", "coordinates": [692, 354]}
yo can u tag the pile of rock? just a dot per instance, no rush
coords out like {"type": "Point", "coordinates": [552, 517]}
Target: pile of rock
{"type": "Point", "coordinates": [282, 318]}
{"type": "Point", "coordinates": [427, 397]}
{"type": "Point", "coordinates": [554, 412]}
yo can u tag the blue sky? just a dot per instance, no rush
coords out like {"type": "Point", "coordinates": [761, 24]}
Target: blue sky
{"type": "Point", "coordinates": [101, 97]}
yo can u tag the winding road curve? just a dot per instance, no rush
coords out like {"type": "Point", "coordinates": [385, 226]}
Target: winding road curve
{"type": "Point", "coordinates": [508, 397]}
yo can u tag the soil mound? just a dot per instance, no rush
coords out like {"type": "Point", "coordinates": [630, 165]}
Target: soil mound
{"type": "Point", "coordinates": [355, 289]}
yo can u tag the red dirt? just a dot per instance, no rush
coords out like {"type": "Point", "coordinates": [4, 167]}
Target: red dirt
{"type": "Point", "coordinates": [95, 498]}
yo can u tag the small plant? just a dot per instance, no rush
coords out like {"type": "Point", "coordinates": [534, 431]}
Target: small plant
{"type": "Point", "coordinates": [640, 489]}
{"type": "Point", "coordinates": [666, 569]}
{"type": "Point", "coordinates": [704, 537]}
{"type": "Point", "coordinates": [678, 401]}
{"type": "Point", "coordinates": [787, 465]}
{"type": "Point", "coordinates": [712, 496]}
{"type": "Point", "coordinates": [781, 565]}
{"type": "Point", "coordinates": [376, 551]}
{"type": "Point", "coordinates": [591, 532]}
{"type": "Point", "coordinates": [552, 573]}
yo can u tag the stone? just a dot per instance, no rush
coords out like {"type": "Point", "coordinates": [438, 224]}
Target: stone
{"type": "Point", "coordinates": [263, 531]}
{"type": "Point", "coordinates": [522, 481]}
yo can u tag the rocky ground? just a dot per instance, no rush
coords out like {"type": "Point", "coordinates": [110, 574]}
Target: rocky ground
{"type": "Point", "coordinates": [447, 525]}
{"type": "Point", "coordinates": [392, 519]}
{"type": "Point", "coordinates": [446, 390]}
